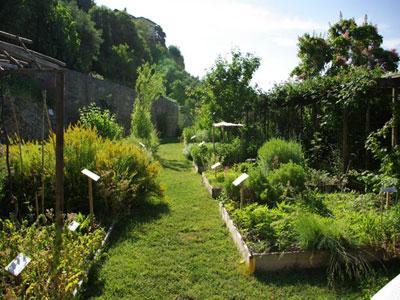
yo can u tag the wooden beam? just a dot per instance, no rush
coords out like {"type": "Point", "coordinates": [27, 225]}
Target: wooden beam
{"type": "Point", "coordinates": [21, 53]}
{"type": "Point", "coordinates": [15, 37]}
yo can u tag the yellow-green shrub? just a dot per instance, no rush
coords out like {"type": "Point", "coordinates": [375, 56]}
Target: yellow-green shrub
{"type": "Point", "coordinates": [127, 172]}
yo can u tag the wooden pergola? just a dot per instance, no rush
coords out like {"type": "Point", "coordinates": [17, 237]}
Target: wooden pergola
{"type": "Point", "coordinates": [16, 58]}
{"type": "Point", "coordinates": [392, 81]}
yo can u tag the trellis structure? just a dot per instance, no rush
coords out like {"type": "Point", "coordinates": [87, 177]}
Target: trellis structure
{"type": "Point", "coordinates": [16, 58]}
{"type": "Point", "coordinates": [392, 81]}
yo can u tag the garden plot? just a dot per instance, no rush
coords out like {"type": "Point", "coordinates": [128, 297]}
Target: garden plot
{"type": "Point", "coordinates": [280, 220]}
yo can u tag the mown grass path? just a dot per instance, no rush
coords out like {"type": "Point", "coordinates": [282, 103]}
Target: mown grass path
{"type": "Point", "coordinates": [181, 250]}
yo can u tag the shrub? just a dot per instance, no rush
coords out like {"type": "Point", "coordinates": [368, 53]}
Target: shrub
{"type": "Point", "coordinates": [229, 153]}
{"type": "Point", "coordinates": [277, 151]}
{"type": "Point", "coordinates": [103, 120]}
{"type": "Point", "coordinates": [288, 176]}
{"type": "Point", "coordinates": [187, 133]}
{"type": "Point", "coordinates": [200, 154]}
{"type": "Point", "coordinates": [37, 242]}
{"type": "Point", "coordinates": [284, 183]}
{"type": "Point", "coordinates": [127, 172]}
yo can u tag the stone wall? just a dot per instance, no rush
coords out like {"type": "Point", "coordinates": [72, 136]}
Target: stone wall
{"type": "Point", "coordinates": [81, 90]}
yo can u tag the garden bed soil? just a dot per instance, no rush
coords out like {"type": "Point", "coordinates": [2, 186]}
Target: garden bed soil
{"type": "Point", "coordinates": [276, 261]}
{"type": "Point", "coordinates": [213, 191]}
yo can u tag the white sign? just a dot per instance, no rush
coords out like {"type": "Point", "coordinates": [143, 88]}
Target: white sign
{"type": "Point", "coordinates": [251, 160]}
{"type": "Point", "coordinates": [193, 137]}
{"type": "Point", "coordinates": [73, 225]}
{"type": "Point", "coordinates": [90, 174]}
{"type": "Point", "coordinates": [202, 143]}
{"type": "Point", "coordinates": [389, 291]}
{"type": "Point", "coordinates": [215, 166]}
{"type": "Point", "coordinates": [18, 264]}
{"type": "Point", "coordinates": [143, 145]}
{"type": "Point", "coordinates": [390, 189]}
{"type": "Point", "coordinates": [240, 179]}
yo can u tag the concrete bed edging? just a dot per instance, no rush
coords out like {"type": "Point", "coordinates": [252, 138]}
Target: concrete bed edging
{"type": "Point", "coordinates": [275, 261]}
{"type": "Point", "coordinates": [213, 191]}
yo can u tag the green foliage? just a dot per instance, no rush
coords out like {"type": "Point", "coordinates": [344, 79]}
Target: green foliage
{"type": "Point", "coordinates": [347, 44]}
{"type": "Point", "coordinates": [275, 152]}
{"type": "Point", "coordinates": [226, 93]}
{"type": "Point", "coordinates": [103, 121]}
{"type": "Point", "coordinates": [37, 242]}
{"type": "Point", "coordinates": [229, 153]}
{"type": "Point", "coordinates": [127, 173]}
{"type": "Point", "coordinates": [149, 87]}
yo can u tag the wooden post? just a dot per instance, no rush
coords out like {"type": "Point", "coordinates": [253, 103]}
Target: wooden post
{"type": "Point", "coordinates": [213, 137]}
{"type": "Point", "coordinates": [37, 205]}
{"type": "Point", "coordinates": [90, 185]}
{"type": "Point", "coordinates": [367, 131]}
{"type": "Point", "coordinates": [59, 182]}
{"type": "Point", "coordinates": [241, 196]}
{"type": "Point", "coordinates": [395, 112]}
{"type": "Point", "coordinates": [59, 148]}
{"type": "Point", "coordinates": [345, 138]}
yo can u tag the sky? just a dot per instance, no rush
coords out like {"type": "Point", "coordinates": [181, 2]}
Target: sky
{"type": "Point", "coordinates": [205, 29]}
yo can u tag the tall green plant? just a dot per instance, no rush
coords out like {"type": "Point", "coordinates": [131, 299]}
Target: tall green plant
{"type": "Point", "coordinates": [149, 87]}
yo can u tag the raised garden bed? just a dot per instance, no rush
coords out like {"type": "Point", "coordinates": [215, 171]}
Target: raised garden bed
{"type": "Point", "coordinates": [198, 169]}
{"type": "Point", "coordinates": [213, 191]}
{"type": "Point", "coordinates": [276, 261]}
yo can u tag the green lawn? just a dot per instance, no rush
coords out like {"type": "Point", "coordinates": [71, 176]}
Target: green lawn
{"type": "Point", "coordinates": [181, 250]}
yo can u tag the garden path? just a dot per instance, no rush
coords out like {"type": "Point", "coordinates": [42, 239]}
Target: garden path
{"type": "Point", "coordinates": [181, 250]}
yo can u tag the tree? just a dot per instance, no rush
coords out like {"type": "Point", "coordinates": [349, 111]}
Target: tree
{"type": "Point", "coordinates": [149, 87]}
{"type": "Point", "coordinates": [118, 28]}
{"type": "Point", "coordinates": [227, 93]}
{"type": "Point", "coordinates": [348, 44]}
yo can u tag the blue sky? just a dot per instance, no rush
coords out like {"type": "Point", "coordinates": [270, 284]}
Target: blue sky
{"type": "Point", "coordinates": [269, 29]}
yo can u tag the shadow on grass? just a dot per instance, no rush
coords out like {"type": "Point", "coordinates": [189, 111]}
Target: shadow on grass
{"type": "Point", "coordinates": [176, 165]}
{"type": "Point", "coordinates": [383, 273]}
{"type": "Point", "coordinates": [144, 212]}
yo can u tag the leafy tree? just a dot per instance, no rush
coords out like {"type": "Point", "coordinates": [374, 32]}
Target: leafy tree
{"type": "Point", "coordinates": [118, 28]}
{"type": "Point", "coordinates": [227, 92]}
{"type": "Point", "coordinates": [347, 44]}
{"type": "Point", "coordinates": [176, 55]}
{"type": "Point", "coordinates": [149, 87]}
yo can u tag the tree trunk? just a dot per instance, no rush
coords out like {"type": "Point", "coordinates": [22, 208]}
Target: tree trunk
{"type": "Point", "coordinates": [396, 117]}
{"type": "Point", "coordinates": [345, 138]}
{"type": "Point", "coordinates": [367, 131]}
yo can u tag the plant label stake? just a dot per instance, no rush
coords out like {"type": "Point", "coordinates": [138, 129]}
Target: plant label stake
{"type": "Point", "coordinates": [74, 225]}
{"type": "Point", "coordinates": [91, 176]}
{"type": "Point", "coordinates": [143, 145]}
{"type": "Point", "coordinates": [18, 264]}
{"type": "Point", "coordinates": [202, 143]}
{"type": "Point", "coordinates": [193, 137]}
{"type": "Point", "coordinates": [389, 190]}
{"type": "Point", "coordinates": [215, 166]}
{"type": "Point", "coordinates": [238, 181]}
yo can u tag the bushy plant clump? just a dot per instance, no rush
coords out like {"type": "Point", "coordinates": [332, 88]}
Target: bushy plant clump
{"type": "Point", "coordinates": [127, 173]}
{"type": "Point", "coordinates": [36, 241]}
{"type": "Point", "coordinates": [103, 121]}
{"type": "Point", "coordinates": [275, 152]}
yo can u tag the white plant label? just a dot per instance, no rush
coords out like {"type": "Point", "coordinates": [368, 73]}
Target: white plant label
{"type": "Point", "coordinates": [90, 174]}
{"type": "Point", "coordinates": [73, 225]}
{"type": "Point", "coordinates": [391, 189]}
{"type": "Point", "coordinates": [18, 264]}
{"type": "Point", "coordinates": [202, 143]}
{"type": "Point", "coordinates": [143, 145]}
{"type": "Point", "coordinates": [215, 166]}
{"type": "Point", "coordinates": [389, 291]}
{"type": "Point", "coordinates": [193, 137]}
{"type": "Point", "coordinates": [240, 179]}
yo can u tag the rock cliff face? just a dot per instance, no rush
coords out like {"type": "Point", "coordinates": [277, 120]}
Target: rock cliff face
{"type": "Point", "coordinates": [81, 90]}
